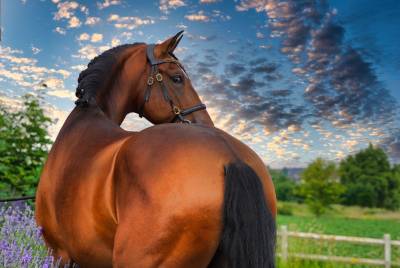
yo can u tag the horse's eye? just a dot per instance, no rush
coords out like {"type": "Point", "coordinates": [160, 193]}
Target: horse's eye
{"type": "Point", "coordinates": [177, 79]}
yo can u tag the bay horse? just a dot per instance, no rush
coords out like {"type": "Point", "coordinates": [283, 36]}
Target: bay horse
{"type": "Point", "coordinates": [171, 195]}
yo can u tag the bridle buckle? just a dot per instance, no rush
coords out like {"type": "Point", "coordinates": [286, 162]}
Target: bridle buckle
{"type": "Point", "coordinates": [176, 110]}
{"type": "Point", "coordinates": [150, 81]}
{"type": "Point", "coordinates": [159, 77]}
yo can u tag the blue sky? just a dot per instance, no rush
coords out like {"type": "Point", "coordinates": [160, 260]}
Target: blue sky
{"type": "Point", "coordinates": [295, 80]}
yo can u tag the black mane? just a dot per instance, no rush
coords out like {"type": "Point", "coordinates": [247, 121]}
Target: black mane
{"type": "Point", "coordinates": [94, 77]}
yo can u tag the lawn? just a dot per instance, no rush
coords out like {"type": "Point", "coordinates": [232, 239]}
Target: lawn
{"type": "Point", "coordinates": [347, 221]}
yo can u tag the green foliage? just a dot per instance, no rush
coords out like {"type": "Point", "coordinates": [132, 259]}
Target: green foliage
{"type": "Point", "coordinates": [285, 187]}
{"type": "Point", "coordinates": [369, 180]}
{"type": "Point", "coordinates": [285, 209]}
{"type": "Point", "coordinates": [24, 141]}
{"type": "Point", "coordinates": [320, 186]}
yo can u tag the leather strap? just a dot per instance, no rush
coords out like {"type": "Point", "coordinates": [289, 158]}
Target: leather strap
{"type": "Point", "coordinates": [188, 111]}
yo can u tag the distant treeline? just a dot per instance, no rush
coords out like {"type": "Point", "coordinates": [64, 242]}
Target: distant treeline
{"type": "Point", "coordinates": [364, 179]}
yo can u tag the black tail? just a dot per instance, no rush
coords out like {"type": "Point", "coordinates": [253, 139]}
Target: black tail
{"type": "Point", "coordinates": [248, 236]}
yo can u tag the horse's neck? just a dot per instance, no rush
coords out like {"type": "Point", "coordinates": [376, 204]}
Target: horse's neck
{"type": "Point", "coordinates": [92, 123]}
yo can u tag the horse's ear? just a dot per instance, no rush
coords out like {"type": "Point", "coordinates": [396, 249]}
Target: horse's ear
{"type": "Point", "coordinates": [168, 46]}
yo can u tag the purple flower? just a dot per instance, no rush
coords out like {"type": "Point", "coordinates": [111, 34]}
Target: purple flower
{"type": "Point", "coordinates": [21, 243]}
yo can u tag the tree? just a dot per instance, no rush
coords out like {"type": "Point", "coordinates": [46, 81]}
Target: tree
{"type": "Point", "coordinates": [369, 180]}
{"type": "Point", "coordinates": [24, 141]}
{"type": "Point", "coordinates": [392, 200]}
{"type": "Point", "coordinates": [320, 186]}
{"type": "Point", "coordinates": [285, 187]}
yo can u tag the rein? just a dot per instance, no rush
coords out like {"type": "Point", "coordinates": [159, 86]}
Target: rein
{"type": "Point", "coordinates": [14, 199]}
{"type": "Point", "coordinates": [155, 73]}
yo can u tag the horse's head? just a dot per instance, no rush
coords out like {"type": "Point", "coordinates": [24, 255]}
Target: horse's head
{"type": "Point", "coordinates": [168, 87]}
{"type": "Point", "coordinates": [146, 79]}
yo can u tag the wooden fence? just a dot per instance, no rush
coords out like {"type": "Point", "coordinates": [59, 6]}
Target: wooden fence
{"type": "Point", "coordinates": [386, 242]}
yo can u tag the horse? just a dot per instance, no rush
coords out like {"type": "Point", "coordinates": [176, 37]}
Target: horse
{"type": "Point", "coordinates": [181, 193]}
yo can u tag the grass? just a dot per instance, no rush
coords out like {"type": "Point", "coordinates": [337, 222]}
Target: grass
{"type": "Point", "coordinates": [340, 220]}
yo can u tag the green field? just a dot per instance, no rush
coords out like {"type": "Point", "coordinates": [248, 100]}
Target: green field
{"type": "Point", "coordinates": [347, 221]}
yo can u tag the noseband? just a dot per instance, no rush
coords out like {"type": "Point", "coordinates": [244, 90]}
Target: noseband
{"type": "Point", "coordinates": [155, 73]}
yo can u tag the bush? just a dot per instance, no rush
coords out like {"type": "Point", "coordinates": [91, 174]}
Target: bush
{"type": "Point", "coordinates": [24, 142]}
{"type": "Point", "coordinates": [285, 187]}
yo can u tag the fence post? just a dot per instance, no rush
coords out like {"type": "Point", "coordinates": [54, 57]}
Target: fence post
{"type": "Point", "coordinates": [284, 237]}
{"type": "Point", "coordinates": [387, 245]}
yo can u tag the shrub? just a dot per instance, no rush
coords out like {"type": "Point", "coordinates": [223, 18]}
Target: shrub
{"type": "Point", "coordinates": [24, 142]}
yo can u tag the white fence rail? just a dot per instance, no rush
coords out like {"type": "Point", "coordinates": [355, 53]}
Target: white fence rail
{"type": "Point", "coordinates": [386, 242]}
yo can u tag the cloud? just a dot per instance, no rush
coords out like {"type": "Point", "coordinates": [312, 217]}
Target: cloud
{"type": "Point", "coordinates": [92, 21]}
{"type": "Point", "coordinates": [89, 51]}
{"type": "Point", "coordinates": [115, 42]}
{"type": "Point", "coordinates": [260, 35]}
{"type": "Point", "coordinates": [108, 3]}
{"type": "Point", "coordinates": [201, 37]}
{"type": "Point", "coordinates": [27, 74]}
{"type": "Point", "coordinates": [258, 5]}
{"type": "Point", "coordinates": [17, 77]}
{"type": "Point", "coordinates": [96, 37]}
{"type": "Point", "coordinates": [126, 35]}
{"type": "Point", "coordinates": [341, 85]}
{"type": "Point", "coordinates": [65, 9]}
{"type": "Point", "coordinates": [208, 1]}
{"type": "Point", "coordinates": [242, 93]}
{"type": "Point", "coordinates": [166, 5]}
{"type": "Point", "coordinates": [62, 93]}
{"type": "Point", "coordinates": [84, 10]}
{"type": "Point", "coordinates": [35, 50]}
{"type": "Point", "coordinates": [219, 15]}
{"type": "Point", "coordinates": [60, 30]}
{"type": "Point", "coordinates": [74, 22]}
{"type": "Point", "coordinates": [84, 37]}
{"type": "Point", "coordinates": [391, 144]}
{"type": "Point", "coordinates": [235, 69]}
{"type": "Point", "coordinates": [181, 26]}
{"type": "Point", "coordinates": [79, 67]}
{"type": "Point", "coordinates": [199, 16]}
{"type": "Point", "coordinates": [128, 22]}
{"type": "Point", "coordinates": [54, 83]}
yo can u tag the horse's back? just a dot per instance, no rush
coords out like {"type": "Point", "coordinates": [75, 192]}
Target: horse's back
{"type": "Point", "coordinates": [194, 149]}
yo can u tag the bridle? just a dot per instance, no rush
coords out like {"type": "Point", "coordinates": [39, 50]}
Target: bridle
{"type": "Point", "coordinates": [155, 75]}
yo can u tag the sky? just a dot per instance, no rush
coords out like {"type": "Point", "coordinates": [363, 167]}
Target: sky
{"type": "Point", "coordinates": [294, 80]}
